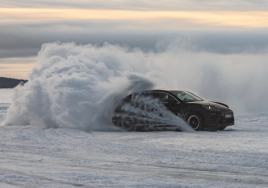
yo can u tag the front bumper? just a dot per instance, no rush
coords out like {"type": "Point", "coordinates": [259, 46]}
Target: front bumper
{"type": "Point", "coordinates": [214, 120]}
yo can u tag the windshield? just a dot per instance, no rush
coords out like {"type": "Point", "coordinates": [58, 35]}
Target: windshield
{"type": "Point", "coordinates": [186, 96]}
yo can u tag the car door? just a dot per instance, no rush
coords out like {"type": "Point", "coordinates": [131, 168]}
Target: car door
{"type": "Point", "coordinates": [170, 102]}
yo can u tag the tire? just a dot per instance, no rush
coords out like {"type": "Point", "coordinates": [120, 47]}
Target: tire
{"type": "Point", "coordinates": [221, 128]}
{"type": "Point", "coordinates": [128, 123]}
{"type": "Point", "coordinates": [116, 121]}
{"type": "Point", "coordinates": [195, 121]}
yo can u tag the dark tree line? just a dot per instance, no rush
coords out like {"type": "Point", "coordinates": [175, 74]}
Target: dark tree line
{"type": "Point", "coordinates": [10, 82]}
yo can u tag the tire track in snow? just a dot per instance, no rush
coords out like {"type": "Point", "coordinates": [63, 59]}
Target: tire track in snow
{"type": "Point", "coordinates": [43, 178]}
{"type": "Point", "coordinates": [168, 170]}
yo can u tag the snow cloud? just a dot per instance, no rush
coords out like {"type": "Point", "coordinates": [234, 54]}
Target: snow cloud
{"type": "Point", "coordinates": [77, 86]}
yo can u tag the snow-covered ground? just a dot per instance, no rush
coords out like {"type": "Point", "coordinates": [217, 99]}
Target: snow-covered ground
{"type": "Point", "coordinates": [34, 157]}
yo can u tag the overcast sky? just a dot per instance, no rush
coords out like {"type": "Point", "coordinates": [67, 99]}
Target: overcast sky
{"type": "Point", "coordinates": [176, 5]}
{"type": "Point", "coordinates": [218, 27]}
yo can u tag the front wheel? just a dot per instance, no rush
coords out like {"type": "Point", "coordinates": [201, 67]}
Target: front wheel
{"type": "Point", "coordinates": [195, 121]}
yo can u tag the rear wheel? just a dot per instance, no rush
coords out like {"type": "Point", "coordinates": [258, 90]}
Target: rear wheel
{"type": "Point", "coordinates": [221, 128]}
{"type": "Point", "coordinates": [128, 123]}
{"type": "Point", "coordinates": [195, 121]}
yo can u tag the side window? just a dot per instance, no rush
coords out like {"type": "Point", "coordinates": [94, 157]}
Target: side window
{"type": "Point", "coordinates": [184, 97]}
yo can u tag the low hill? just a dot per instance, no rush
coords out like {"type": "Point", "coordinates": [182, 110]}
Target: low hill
{"type": "Point", "coordinates": [10, 82]}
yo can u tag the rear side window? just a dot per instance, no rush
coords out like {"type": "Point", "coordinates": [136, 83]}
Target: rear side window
{"type": "Point", "coordinates": [145, 95]}
{"type": "Point", "coordinates": [128, 98]}
{"type": "Point", "coordinates": [163, 97]}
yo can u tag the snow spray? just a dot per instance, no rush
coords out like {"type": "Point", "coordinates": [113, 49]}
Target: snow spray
{"type": "Point", "coordinates": [79, 86]}
{"type": "Point", "coordinates": [149, 114]}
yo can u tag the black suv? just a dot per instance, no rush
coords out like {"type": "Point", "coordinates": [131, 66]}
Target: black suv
{"type": "Point", "coordinates": [150, 109]}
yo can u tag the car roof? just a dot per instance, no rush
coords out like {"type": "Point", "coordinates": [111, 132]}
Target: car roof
{"type": "Point", "coordinates": [170, 91]}
{"type": "Point", "coordinates": [158, 90]}
{"type": "Point", "coordinates": [166, 90]}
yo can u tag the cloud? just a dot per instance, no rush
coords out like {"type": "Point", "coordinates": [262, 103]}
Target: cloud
{"type": "Point", "coordinates": [240, 5]}
{"type": "Point", "coordinates": [220, 42]}
{"type": "Point", "coordinates": [25, 39]}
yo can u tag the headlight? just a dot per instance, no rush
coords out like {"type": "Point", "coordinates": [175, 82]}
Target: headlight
{"type": "Point", "coordinates": [211, 108]}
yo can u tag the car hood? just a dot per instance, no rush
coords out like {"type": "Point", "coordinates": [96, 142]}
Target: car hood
{"type": "Point", "coordinates": [219, 106]}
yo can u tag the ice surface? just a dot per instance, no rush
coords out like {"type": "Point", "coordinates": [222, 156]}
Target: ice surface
{"type": "Point", "coordinates": [6, 95]}
{"type": "Point", "coordinates": [31, 156]}
{"type": "Point", "coordinates": [34, 157]}
{"type": "Point", "coordinates": [5, 100]}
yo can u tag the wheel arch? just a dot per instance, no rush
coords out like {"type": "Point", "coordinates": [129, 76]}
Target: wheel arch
{"type": "Point", "coordinates": [190, 111]}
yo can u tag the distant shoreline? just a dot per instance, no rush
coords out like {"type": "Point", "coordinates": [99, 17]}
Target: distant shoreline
{"type": "Point", "coordinates": [9, 83]}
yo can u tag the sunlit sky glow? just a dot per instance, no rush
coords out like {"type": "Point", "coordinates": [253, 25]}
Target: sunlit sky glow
{"type": "Point", "coordinates": [218, 18]}
{"type": "Point", "coordinates": [25, 25]}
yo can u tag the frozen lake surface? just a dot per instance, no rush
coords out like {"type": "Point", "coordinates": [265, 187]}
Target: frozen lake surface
{"type": "Point", "coordinates": [6, 95]}
{"type": "Point", "coordinates": [34, 157]}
